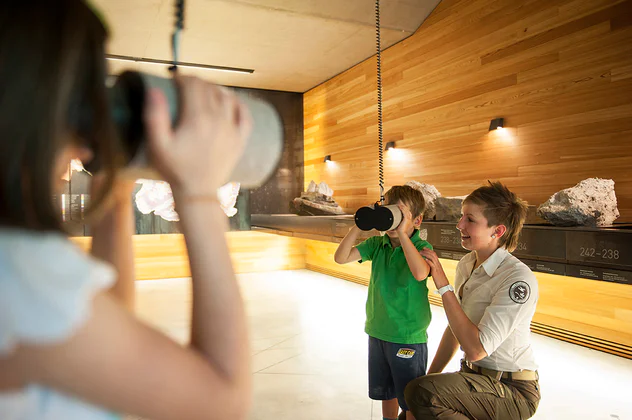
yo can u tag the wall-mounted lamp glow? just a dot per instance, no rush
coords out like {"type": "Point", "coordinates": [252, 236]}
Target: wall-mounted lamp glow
{"type": "Point", "coordinates": [390, 145]}
{"type": "Point", "coordinates": [496, 124]}
{"type": "Point", "coordinates": [328, 158]}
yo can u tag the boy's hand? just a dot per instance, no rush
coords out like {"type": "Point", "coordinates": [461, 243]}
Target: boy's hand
{"type": "Point", "coordinates": [407, 221]}
{"type": "Point", "coordinates": [436, 270]}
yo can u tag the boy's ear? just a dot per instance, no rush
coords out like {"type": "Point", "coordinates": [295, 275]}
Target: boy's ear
{"type": "Point", "coordinates": [417, 220]}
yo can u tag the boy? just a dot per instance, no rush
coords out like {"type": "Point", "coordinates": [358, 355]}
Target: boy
{"type": "Point", "coordinates": [397, 307]}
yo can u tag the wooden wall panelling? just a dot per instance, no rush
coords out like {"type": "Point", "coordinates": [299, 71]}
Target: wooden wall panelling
{"type": "Point", "coordinates": [164, 256]}
{"type": "Point", "coordinates": [255, 252]}
{"type": "Point", "coordinates": [319, 257]}
{"type": "Point", "coordinates": [558, 71]}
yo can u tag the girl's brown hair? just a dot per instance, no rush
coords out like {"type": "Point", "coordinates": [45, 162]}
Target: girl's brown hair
{"type": "Point", "coordinates": [501, 207]}
{"type": "Point", "coordinates": [52, 78]}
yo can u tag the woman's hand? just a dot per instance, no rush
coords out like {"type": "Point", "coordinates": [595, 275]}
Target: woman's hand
{"type": "Point", "coordinates": [436, 270]}
{"type": "Point", "coordinates": [198, 155]}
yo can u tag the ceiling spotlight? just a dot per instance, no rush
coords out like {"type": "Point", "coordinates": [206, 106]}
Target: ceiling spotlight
{"type": "Point", "coordinates": [390, 145]}
{"type": "Point", "coordinates": [497, 123]}
{"type": "Point", "coordinates": [328, 158]}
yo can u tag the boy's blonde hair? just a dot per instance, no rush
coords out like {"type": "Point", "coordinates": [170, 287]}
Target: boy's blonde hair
{"type": "Point", "coordinates": [501, 207]}
{"type": "Point", "coordinates": [411, 197]}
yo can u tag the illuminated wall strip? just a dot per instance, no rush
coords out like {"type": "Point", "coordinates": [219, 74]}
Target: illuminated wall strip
{"type": "Point", "coordinates": [63, 207]}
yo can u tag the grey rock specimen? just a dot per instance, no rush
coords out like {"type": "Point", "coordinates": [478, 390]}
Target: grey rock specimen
{"type": "Point", "coordinates": [430, 193]}
{"type": "Point", "coordinates": [592, 202]}
{"type": "Point", "coordinates": [448, 209]}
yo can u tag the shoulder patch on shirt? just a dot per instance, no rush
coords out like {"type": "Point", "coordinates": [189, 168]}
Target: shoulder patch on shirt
{"type": "Point", "coordinates": [519, 292]}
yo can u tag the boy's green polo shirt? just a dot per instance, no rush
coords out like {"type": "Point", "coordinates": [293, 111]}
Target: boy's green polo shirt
{"type": "Point", "coordinates": [397, 308]}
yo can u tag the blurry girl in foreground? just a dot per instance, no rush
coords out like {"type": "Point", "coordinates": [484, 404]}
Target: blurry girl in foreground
{"type": "Point", "coordinates": [69, 346]}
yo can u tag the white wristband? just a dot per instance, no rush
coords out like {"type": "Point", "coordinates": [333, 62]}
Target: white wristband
{"type": "Point", "coordinates": [445, 289]}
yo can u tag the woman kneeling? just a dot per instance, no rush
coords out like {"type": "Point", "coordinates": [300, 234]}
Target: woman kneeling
{"type": "Point", "coordinates": [489, 314]}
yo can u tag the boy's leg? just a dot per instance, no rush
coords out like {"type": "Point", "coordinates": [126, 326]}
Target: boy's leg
{"type": "Point", "coordinates": [408, 362]}
{"type": "Point", "coordinates": [390, 408]}
{"type": "Point", "coordinates": [381, 386]}
{"type": "Point", "coordinates": [406, 415]}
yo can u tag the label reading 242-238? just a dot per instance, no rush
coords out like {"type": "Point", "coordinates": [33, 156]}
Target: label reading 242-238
{"type": "Point", "coordinates": [600, 247]}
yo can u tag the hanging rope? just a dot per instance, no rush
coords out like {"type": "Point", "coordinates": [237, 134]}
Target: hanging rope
{"type": "Point", "coordinates": [379, 100]}
{"type": "Point", "coordinates": [175, 38]}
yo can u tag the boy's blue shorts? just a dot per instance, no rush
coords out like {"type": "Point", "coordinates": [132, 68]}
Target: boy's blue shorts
{"type": "Point", "coordinates": [392, 366]}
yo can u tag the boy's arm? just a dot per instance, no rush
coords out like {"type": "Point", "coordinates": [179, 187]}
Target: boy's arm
{"type": "Point", "coordinates": [416, 262]}
{"type": "Point", "coordinates": [346, 251]}
{"type": "Point", "coordinates": [418, 266]}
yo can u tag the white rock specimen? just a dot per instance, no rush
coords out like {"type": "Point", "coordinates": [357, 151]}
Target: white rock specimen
{"type": "Point", "coordinates": [312, 187]}
{"type": "Point", "coordinates": [156, 196]}
{"type": "Point", "coordinates": [325, 189]}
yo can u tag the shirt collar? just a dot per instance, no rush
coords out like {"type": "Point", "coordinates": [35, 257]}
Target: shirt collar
{"type": "Point", "coordinates": [386, 240]}
{"type": "Point", "coordinates": [490, 265]}
{"type": "Point", "coordinates": [493, 262]}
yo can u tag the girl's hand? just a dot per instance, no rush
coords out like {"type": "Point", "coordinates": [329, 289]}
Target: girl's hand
{"type": "Point", "coordinates": [198, 155]}
{"type": "Point", "coordinates": [436, 270]}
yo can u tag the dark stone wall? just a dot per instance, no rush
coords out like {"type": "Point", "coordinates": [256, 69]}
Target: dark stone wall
{"type": "Point", "coordinates": [276, 195]}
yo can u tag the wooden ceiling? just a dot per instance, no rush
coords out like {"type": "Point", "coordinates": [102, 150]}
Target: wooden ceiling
{"type": "Point", "coordinates": [292, 45]}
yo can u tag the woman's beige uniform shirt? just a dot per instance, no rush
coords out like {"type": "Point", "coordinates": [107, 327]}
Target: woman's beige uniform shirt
{"type": "Point", "coordinates": [500, 297]}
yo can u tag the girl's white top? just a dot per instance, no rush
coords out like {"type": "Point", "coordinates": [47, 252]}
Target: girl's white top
{"type": "Point", "coordinates": [46, 289]}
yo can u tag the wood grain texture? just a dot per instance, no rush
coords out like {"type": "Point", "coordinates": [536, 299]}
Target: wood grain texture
{"type": "Point", "coordinates": [585, 312]}
{"type": "Point", "coordinates": [164, 256]}
{"type": "Point", "coordinates": [558, 71]}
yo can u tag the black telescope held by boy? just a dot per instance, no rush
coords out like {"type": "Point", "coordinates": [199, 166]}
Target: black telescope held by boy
{"type": "Point", "coordinates": [381, 218]}
{"type": "Point", "coordinates": [127, 100]}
